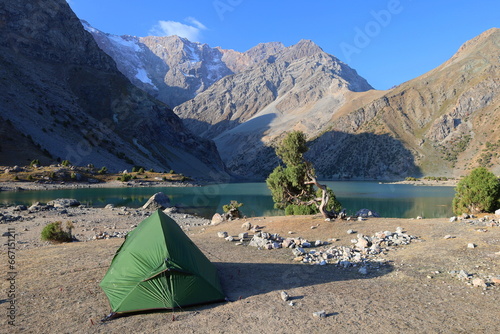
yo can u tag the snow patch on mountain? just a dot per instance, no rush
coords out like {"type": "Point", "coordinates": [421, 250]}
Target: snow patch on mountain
{"type": "Point", "coordinates": [142, 75]}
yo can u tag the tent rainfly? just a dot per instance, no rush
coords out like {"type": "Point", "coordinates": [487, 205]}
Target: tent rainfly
{"type": "Point", "coordinates": [159, 267]}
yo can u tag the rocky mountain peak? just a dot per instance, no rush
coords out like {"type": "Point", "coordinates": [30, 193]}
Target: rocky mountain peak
{"type": "Point", "coordinates": [304, 48]}
{"type": "Point", "coordinates": [482, 45]}
{"type": "Point", "coordinates": [263, 50]}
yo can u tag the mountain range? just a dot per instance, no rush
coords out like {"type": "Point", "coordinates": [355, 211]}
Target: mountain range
{"type": "Point", "coordinates": [431, 125]}
{"type": "Point", "coordinates": [62, 80]}
{"type": "Point", "coordinates": [63, 98]}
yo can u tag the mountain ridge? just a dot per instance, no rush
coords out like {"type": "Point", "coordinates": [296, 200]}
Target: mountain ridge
{"type": "Point", "coordinates": [421, 120]}
{"type": "Point", "coordinates": [67, 97]}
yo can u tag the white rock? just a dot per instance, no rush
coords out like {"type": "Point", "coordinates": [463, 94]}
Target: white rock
{"type": "Point", "coordinates": [222, 234]}
{"type": "Point", "coordinates": [247, 226]}
{"type": "Point", "coordinates": [471, 245]}
{"type": "Point", "coordinates": [284, 296]}
{"type": "Point", "coordinates": [319, 314]}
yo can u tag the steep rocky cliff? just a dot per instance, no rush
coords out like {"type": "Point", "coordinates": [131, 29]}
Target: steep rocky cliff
{"type": "Point", "coordinates": [174, 69]}
{"type": "Point", "coordinates": [66, 96]}
{"type": "Point", "coordinates": [442, 123]}
{"type": "Point", "coordinates": [299, 87]}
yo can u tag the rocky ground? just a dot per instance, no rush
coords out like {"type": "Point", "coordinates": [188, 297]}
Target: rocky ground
{"type": "Point", "coordinates": [378, 275]}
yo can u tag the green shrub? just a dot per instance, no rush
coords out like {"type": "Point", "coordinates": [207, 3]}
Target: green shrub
{"type": "Point", "coordinates": [55, 233]}
{"type": "Point", "coordinates": [30, 177]}
{"type": "Point", "coordinates": [477, 192]}
{"type": "Point", "coordinates": [125, 178]}
{"type": "Point", "coordinates": [103, 170]}
{"type": "Point", "coordinates": [34, 163]}
{"type": "Point", "coordinates": [141, 170]}
{"type": "Point", "coordinates": [233, 205]}
{"type": "Point", "coordinates": [171, 171]}
{"type": "Point", "coordinates": [233, 209]}
{"type": "Point", "coordinates": [66, 163]}
{"type": "Point", "coordinates": [299, 210]}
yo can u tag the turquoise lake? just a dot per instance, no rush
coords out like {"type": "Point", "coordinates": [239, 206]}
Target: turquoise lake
{"type": "Point", "coordinates": [389, 200]}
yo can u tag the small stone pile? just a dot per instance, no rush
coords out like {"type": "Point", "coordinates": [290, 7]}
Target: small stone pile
{"type": "Point", "coordinates": [475, 280]}
{"type": "Point", "coordinates": [473, 220]}
{"type": "Point", "coordinates": [5, 218]}
{"type": "Point", "coordinates": [365, 248]}
{"type": "Point", "coordinates": [107, 235]}
{"type": "Point", "coordinates": [264, 240]}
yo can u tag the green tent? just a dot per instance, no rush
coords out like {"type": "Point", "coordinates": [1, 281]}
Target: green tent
{"type": "Point", "coordinates": [159, 267]}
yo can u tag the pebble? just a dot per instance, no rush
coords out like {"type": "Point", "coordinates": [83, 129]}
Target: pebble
{"type": "Point", "coordinates": [471, 245]}
{"type": "Point", "coordinates": [351, 231]}
{"type": "Point", "coordinates": [319, 314]}
{"type": "Point", "coordinates": [247, 226]}
{"type": "Point", "coordinates": [222, 234]}
{"type": "Point", "coordinates": [284, 296]}
{"type": "Point", "coordinates": [479, 282]}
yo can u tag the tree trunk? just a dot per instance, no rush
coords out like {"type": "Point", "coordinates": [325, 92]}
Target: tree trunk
{"type": "Point", "coordinates": [324, 199]}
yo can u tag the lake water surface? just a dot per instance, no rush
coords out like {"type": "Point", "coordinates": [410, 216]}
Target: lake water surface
{"type": "Point", "coordinates": [389, 200]}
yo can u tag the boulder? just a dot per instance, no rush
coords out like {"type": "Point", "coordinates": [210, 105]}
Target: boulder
{"type": "Point", "coordinates": [217, 219]}
{"type": "Point", "coordinates": [365, 213]}
{"type": "Point", "coordinates": [258, 241]}
{"type": "Point", "coordinates": [284, 296]}
{"type": "Point", "coordinates": [157, 201]}
{"type": "Point", "coordinates": [362, 243]}
{"type": "Point", "coordinates": [479, 282]}
{"type": "Point", "coordinates": [247, 226]}
{"type": "Point", "coordinates": [222, 234]}
{"type": "Point", "coordinates": [497, 212]}
{"type": "Point", "coordinates": [63, 202]}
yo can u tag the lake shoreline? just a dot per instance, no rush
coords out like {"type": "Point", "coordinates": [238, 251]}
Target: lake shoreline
{"type": "Point", "coordinates": [30, 186]}
{"type": "Point", "coordinates": [429, 183]}
{"type": "Point", "coordinates": [387, 200]}
{"type": "Point", "coordinates": [40, 186]}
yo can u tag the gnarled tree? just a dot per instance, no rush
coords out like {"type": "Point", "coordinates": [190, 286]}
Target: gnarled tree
{"type": "Point", "coordinates": [295, 187]}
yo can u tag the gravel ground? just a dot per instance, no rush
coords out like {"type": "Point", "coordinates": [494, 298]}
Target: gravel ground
{"type": "Point", "coordinates": [416, 289]}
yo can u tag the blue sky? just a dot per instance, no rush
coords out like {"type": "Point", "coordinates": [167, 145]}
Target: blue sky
{"type": "Point", "coordinates": [388, 42]}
